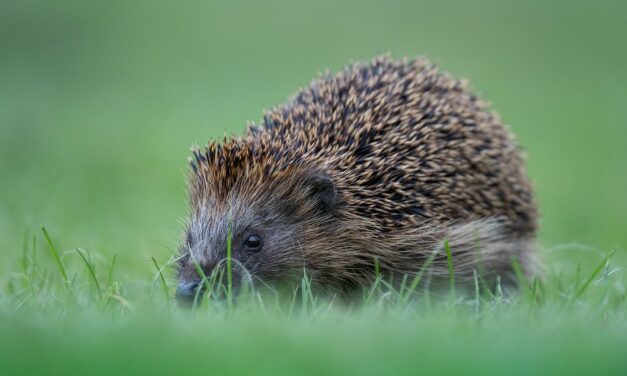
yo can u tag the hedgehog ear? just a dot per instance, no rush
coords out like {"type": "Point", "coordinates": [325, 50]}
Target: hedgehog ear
{"type": "Point", "coordinates": [322, 191]}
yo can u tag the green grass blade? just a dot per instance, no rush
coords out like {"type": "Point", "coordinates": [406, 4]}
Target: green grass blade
{"type": "Point", "coordinates": [164, 285]}
{"type": "Point", "coordinates": [24, 257]}
{"type": "Point", "coordinates": [592, 276]}
{"type": "Point", "coordinates": [520, 275]}
{"type": "Point", "coordinates": [293, 302]}
{"type": "Point", "coordinates": [477, 298]}
{"type": "Point", "coordinates": [92, 272]}
{"type": "Point", "coordinates": [57, 258]}
{"type": "Point", "coordinates": [203, 281]}
{"type": "Point", "coordinates": [33, 269]}
{"type": "Point", "coordinates": [110, 277]}
{"type": "Point", "coordinates": [229, 271]}
{"type": "Point", "coordinates": [303, 292]}
{"type": "Point", "coordinates": [373, 290]}
{"type": "Point", "coordinates": [418, 277]}
{"type": "Point", "coordinates": [27, 263]}
{"type": "Point", "coordinates": [449, 264]}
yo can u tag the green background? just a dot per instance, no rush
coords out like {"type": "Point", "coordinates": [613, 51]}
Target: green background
{"type": "Point", "coordinates": [101, 100]}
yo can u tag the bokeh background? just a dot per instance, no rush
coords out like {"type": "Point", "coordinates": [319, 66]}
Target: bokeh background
{"type": "Point", "coordinates": [101, 100]}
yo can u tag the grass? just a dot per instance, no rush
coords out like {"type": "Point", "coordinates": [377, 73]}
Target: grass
{"type": "Point", "coordinates": [55, 254]}
{"type": "Point", "coordinates": [37, 286]}
{"type": "Point", "coordinates": [565, 315]}
{"type": "Point", "coordinates": [100, 101]}
{"type": "Point", "coordinates": [229, 266]}
{"type": "Point", "coordinates": [449, 263]}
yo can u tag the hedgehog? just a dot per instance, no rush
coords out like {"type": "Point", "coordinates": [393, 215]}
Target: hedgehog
{"type": "Point", "coordinates": [371, 172]}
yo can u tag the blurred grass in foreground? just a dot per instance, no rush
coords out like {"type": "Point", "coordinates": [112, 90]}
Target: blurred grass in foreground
{"type": "Point", "coordinates": [99, 324]}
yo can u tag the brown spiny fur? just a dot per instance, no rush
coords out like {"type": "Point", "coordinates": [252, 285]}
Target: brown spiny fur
{"type": "Point", "coordinates": [382, 161]}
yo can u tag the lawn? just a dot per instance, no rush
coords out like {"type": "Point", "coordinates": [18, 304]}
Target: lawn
{"type": "Point", "coordinates": [100, 102]}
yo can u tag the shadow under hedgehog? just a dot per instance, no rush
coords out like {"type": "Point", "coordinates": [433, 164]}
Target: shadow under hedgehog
{"type": "Point", "coordinates": [378, 164]}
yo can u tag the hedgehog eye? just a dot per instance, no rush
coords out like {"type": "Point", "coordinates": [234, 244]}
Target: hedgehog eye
{"type": "Point", "coordinates": [253, 242]}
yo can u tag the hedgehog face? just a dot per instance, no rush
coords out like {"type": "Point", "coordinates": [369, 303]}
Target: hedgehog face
{"type": "Point", "coordinates": [265, 221]}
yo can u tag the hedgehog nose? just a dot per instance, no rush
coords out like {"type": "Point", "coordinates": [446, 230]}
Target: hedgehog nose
{"type": "Point", "coordinates": [186, 293]}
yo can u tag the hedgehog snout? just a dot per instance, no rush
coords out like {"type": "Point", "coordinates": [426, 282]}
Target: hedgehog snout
{"type": "Point", "coordinates": [186, 293]}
